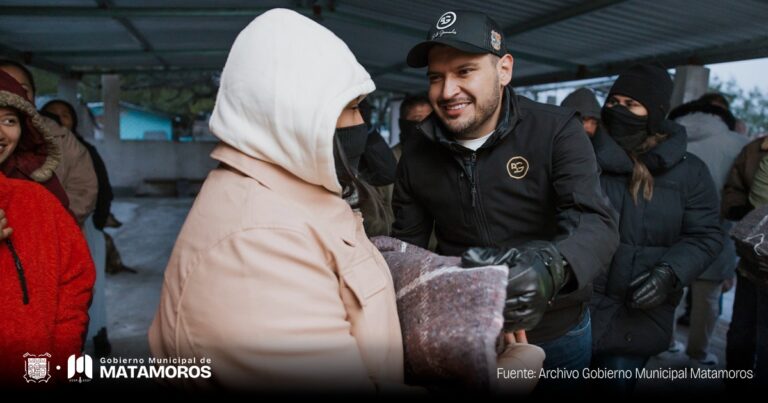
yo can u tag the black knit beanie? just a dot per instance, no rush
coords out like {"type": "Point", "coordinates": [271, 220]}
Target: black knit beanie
{"type": "Point", "coordinates": [651, 86]}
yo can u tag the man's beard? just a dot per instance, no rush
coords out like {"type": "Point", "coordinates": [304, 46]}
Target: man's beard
{"type": "Point", "coordinates": [483, 112]}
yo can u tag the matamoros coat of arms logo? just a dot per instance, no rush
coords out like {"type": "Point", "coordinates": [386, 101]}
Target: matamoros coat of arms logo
{"type": "Point", "coordinates": [37, 367]}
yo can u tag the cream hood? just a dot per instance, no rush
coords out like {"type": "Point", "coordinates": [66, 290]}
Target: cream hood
{"type": "Point", "coordinates": [285, 83]}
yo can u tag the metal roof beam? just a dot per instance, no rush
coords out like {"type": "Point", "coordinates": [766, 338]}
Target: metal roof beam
{"type": "Point", "coordinates": [141, 69]}
{"type": "Point", "coordinates": [130, 52]}
{"type": "Point", "coordinates": [751, 49]}
{"type": "Point", "coordinates": [33, 60]}
{"type": "Point", "coordinates": [558, 16]}
{"type": "Point", "coordinates": [132, 30]}
{"type": "Point", "coordinates": [132, 12]}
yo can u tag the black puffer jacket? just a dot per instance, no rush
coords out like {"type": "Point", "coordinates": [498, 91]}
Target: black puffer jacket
{"type": "Point", "coordinates": [535, 178]}
{"type": "Point", "coordinates": [679, 226]}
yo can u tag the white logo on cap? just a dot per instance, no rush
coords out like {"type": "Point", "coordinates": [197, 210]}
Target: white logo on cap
{"type": "Point", "coordinates": [446, 20]}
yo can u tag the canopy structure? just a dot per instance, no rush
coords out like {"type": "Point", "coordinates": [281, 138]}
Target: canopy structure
{"type": "Point", "coordinates": [551, 40]}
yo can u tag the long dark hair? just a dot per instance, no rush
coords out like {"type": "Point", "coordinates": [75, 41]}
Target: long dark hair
{"type": "Point", "coordinates": [350, 183]}
{"type": "Point", "coordinates": [641, 176]}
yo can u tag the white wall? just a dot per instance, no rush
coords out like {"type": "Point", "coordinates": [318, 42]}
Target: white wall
{"type": "Point", "coordinates": [130, 162]}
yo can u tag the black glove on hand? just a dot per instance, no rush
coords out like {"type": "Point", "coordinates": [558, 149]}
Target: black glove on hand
{"type": "Point", "coordinates": [653, 287]}
{"type": "Point", "coordinates": [536, 273]}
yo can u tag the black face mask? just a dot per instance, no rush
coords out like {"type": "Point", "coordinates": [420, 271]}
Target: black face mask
{"type": "Point", "coordinates": [352, 140]}
{"type": "Point", "coordinates": [627, 129]}
{"type": "Point", "coordinates": [407, 130]}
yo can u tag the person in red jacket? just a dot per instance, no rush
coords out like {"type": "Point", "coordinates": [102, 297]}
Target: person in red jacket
{"type": "Point", "coordinates": [46, 281]}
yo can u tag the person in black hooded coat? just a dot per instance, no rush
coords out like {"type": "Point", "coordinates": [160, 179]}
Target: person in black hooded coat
{"type": "Point", "coordinates": [376, 167]}
{"type": "Point", "coordinates": [669, 223]}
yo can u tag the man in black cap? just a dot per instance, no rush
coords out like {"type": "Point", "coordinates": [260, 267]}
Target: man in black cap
{"type": "Point", "coordinates": [505, 180]}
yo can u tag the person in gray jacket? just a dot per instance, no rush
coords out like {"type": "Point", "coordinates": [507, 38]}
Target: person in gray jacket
{"type": "Point", "coordinates": [711, 138]}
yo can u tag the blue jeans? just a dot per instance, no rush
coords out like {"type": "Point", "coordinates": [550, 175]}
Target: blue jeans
{"type": "Point", "coordinates": [747, 342]}
{"type": "Point", "coordinates": [618, 385]}
{"type": "Point", "coordinates": [570, 351]}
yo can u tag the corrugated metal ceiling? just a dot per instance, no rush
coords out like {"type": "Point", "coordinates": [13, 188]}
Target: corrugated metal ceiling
{"type": "Point", "coordinates": [552, 40]}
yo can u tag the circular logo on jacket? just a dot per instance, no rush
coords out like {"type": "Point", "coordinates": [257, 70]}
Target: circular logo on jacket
{"type": "Point", "coordinates": [446, 20]}
{"type": "Point", "coordinates": [517, 167]}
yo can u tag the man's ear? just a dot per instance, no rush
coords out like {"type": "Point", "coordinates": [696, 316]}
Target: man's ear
{"type": "Point", "coordinates": [504, 67]}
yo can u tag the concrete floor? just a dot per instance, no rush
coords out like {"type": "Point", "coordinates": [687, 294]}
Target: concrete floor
{"type": "Point", "coordinates": [681, 360]}
{"type": "Point", "coordinates": [145, 241]}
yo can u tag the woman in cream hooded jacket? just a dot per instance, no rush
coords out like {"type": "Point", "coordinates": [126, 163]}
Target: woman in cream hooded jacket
{"type": "Point", "coordinates": [272, 277]}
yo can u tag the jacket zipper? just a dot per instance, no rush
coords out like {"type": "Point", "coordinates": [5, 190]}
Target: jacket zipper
{"type": "Point", "coordinates": [476, 207]}
{"type": "Point", "coordinates": [19, 271]}
{"type": "Point", "coordinates": [472, 182]}
{"type": "Point", "coordinates": [481, 211]}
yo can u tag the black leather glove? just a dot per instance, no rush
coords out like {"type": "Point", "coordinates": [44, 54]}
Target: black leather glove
{"type": "Point", "coordinates": [653, 287]}
{"type": "Point", "coordinates": [736, 213]}
{"type": "Point", "coordinates": [537, 272]}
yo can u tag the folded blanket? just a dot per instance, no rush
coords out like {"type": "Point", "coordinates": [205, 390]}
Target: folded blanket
{"type": "Point", "coordinates": [751, 236]}
{"type": "Point", "coordinates": [451, 317]}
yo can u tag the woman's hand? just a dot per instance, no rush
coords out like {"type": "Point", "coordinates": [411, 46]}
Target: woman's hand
{"type": "Point", "coordinates": [518, 366]}
{"type": "Point", "coordinates": [5, 230]}
{"type": "Point", "coordinates": [516, 337]}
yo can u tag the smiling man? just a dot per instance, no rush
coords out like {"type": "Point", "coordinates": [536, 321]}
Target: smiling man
{"type": "Point", "coordinates": [512, 180]}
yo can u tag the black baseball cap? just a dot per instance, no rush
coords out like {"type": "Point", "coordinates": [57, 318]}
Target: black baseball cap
{"type": "Point", "coordinates": [467, 31]}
